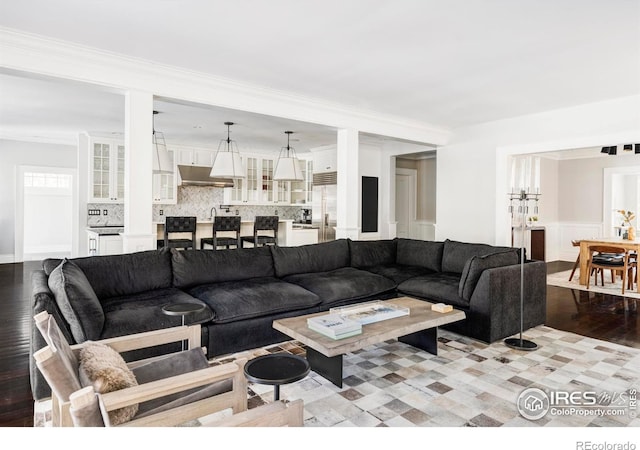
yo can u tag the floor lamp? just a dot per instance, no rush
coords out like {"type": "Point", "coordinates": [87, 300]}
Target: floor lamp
{"type": "Point", "coordinates": [523, 198]}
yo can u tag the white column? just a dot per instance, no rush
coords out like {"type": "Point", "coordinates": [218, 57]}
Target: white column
{"type": "Point", "coordinates": [138, 182]}
{"type": "Point", "coordinates": [82, 192]}
{"type": "Point", "coordinates": [348, 201]}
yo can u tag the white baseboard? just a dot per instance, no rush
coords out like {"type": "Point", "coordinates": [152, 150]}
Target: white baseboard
{"type": "Point", "coordinates": [7, 259]}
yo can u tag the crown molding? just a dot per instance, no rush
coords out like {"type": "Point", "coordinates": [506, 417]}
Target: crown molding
{"type": "Point", "coordinates": [49, 57]}
{"type": "Point", "coordinates": [70, 139]}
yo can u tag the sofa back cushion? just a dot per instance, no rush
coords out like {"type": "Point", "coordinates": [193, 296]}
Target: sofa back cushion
{"type": "Point", "coordinates": [311, 258]}
{"type": "Point", "coordinates": [77, 301]}
{"type": "Point", "coordinates": [372, 253]}
{"type": "Point", "coordinates": [414, 252]}
{"type": "Point", "coordinates": [119, 275]}
{"type": "Point", "coordinates": [474, 267]}
{"type": "Point", "coordinates": [195, 267]}
{"type": "Point", "coordinates": [456, 254]}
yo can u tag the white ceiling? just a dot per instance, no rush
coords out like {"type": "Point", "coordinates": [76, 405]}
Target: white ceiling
{"type": "Point", "coordinates": [447, 63]}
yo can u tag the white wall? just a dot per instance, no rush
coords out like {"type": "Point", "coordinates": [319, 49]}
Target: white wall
{"type": "Point", "coordinates": [581, 186]}
{"type": "Point", "coordinates": [578, 198]}
{"type": "Point", "coordinates": [472, 203]}
{"type": "Point", "coordinates": [13, 154]}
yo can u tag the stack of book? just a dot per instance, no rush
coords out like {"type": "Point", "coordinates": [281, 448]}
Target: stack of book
{"type": "Point", "coordinates": [334, 326]}
{"type": "Point", "coordinates": [370, 312]}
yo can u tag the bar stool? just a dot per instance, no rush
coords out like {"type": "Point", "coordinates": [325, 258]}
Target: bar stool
{"type": "Point", "coordinates": [223, 224]}
{"type": "Point", "coordinates": [180, 224]}
{"type": "Point", "coordinates": [263, 223]}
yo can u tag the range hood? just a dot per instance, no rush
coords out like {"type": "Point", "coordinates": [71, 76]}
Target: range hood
{"type": "Point", "coordinates": [199, 176]}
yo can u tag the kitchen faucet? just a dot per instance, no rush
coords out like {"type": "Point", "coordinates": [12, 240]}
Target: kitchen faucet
{"type": "Point", "coordinates": [211, 212]}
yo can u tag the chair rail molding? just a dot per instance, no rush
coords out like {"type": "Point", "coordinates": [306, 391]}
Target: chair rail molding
{"type": "Point", "coordinates": [41, 55]}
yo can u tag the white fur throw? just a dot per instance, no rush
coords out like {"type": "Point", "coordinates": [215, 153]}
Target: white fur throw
{"type": "Point", "coordinates": [105, 370]}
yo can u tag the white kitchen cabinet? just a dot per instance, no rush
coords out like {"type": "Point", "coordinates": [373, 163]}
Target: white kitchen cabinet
{"type": "Point", "coordinates": [100, 245]}
{"type": "Point", "coordinates": [259, 187]}
{"type": "Point", "coordinates": [106, 171]}
{"type": "Point", "coordinates": [165, 185]}
{"type": "Point", "coordinates": [301, 190]}
{"type": "Point", "coordinates": [195, 157]}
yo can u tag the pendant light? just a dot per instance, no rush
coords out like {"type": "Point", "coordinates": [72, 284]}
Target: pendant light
{"type": "Point", "coordinates": [227, 162]}
{"type": "Point", "coordinates": [288, 165]}
{"type": "Point", "coordinates": [161, 161]}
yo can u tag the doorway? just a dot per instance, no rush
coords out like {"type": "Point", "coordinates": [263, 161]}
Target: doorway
{"type": "Point", "coordinates": [406, 187]}
{"type": "Point", "coordinates": [44, 213]}
{"type": "Point", "coordinates": [621, 191]}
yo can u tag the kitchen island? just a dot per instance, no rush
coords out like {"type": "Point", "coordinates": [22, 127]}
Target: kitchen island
{"type": "Point", "coordinates": [290, 234]}
{"type": "Point", "coordinates": [104, 240]}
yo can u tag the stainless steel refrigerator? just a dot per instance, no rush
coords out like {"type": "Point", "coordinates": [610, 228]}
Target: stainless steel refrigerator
{"type": "Point", "coordinates": [324, 206]}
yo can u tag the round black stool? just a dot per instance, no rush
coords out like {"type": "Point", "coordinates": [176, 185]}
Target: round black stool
{"type": "Point", "coordinates": [276, 369]}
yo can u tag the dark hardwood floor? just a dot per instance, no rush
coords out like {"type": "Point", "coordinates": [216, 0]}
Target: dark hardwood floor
{"type": "Point", "coordinates": [588, 314]}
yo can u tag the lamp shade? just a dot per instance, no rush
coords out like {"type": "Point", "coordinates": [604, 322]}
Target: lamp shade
{"type": "Point", "coordinates": [288, 165]}
{"type": "Point", "coordinates": [288, 169]}
{"type": "Point", "coordinates": [161, 161]}
{"type": "Point", "coordinates": [227, 164]}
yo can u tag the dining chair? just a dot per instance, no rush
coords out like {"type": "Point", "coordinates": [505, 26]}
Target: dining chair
{"type": "Point", "coordinates": [616, 259]}
{"type": "Point", "coordinates": [261, 225]}
{"type": "Point", "coordinates": [180, 224]}
{"type": "Point", "coordinates": [575, 243]}
{"type": "Point", "coordinates": [224, 224]}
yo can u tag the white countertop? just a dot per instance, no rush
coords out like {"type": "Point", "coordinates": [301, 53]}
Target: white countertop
{"type": "Point", "coordinates": [210, 221]}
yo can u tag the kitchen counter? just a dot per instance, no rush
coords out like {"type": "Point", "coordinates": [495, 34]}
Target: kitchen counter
{"type": "Point", "coordinates": [107, 230]}
{"type": "Point", "coordinates": [289, 233]}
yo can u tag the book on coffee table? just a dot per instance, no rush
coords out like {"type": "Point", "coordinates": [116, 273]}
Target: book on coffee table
{"type": "Point", "coordinates": [334, 326]}
{"type": "Point", "coordinates": [370, 312]}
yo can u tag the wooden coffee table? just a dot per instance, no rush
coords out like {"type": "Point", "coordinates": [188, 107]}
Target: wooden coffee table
{"type": "Point", "coordinates": [419, 328]}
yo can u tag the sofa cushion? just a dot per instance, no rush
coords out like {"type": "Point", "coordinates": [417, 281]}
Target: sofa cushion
{"type": "Point", "coordinates": [116, 275]}
{"type": "Point", "coordinates": [398, 272]}
{"type": "Point", "coordinates": [77, 301]}
{"type": "Point", "coordinates": [239, 300]}
{"type": "Point", "coordinates": [192, 268]}
{"type": "Point", "coordinates": [372, 253]}
{"type": "Point", "coordinates": [456, 254]}
{"type": "Point", "coordinates": [311, 258]}
{"type": "Point", "coordinates": [439, 287]}
{"type": "Point", "coordinates": [142, 312]}
{"type": "Point", "coordinates": [414, 252]}
{"type": "Point", "coordinates": [477, 264]}
{"type": "Point", "coordinates": [347, 283]}
{"type": "Point", "coordinates": [172, 365]}
{"type": "Point", "coordinates": [105, 370]}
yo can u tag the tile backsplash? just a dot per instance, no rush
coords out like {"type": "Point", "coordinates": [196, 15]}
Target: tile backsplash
{"type": "Point", "coordinates": [193, 201]}
{"type": "Point", "coordinates": [114, 214]}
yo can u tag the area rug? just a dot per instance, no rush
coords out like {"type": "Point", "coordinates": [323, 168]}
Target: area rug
{"type": "Point", "coordinates": [561, 279]}
{"type": "Point", "coordinates": [468, 384]}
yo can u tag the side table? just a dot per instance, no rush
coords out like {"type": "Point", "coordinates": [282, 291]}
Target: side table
{"type": "Point", "coordinates": [182, 309]}
{"type": "Point", "coordinates": [276, 369]}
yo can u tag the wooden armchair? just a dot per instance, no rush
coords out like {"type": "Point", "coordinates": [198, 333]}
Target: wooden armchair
{"type": "Point", "coordinates": [168, 390]}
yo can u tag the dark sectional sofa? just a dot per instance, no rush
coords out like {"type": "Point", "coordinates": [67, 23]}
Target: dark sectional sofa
{"type": "Point", "coordinates": [246, 289]}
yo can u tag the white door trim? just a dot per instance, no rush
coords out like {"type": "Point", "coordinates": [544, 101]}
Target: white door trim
{"type": "Point", "coordinates": [607, 208]}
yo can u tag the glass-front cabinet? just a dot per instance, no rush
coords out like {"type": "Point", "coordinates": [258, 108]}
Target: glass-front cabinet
{"type": "Point", "coordinates": [259, 187]}
{"type": "Point", "coordinates": [301, 190]}
{"type": "Point", "coordinates": [165, 186]}
{"type": "Point", "coordinates": [106, 162]}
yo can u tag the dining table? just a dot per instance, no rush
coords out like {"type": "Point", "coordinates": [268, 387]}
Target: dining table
{"type": "Point", "coordinates": [633, 245]}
